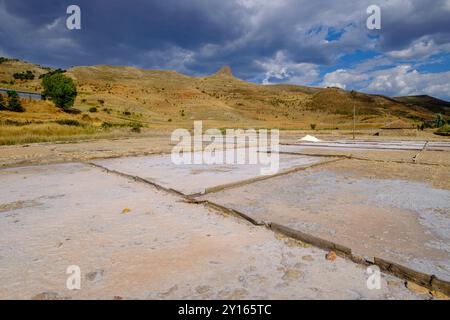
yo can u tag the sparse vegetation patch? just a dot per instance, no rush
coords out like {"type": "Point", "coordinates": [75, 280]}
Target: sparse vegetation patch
{"type": "Point", "coordinates": [27, 75]}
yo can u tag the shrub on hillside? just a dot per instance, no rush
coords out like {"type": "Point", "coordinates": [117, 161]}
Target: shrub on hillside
{"type": "Point", "coordinates": [136, 127]}
{"type": "Point", "coordinates": [69, 122]}
{"type": "Point", "coordinates": [14, 102]}
{"type": "Point", "coordinates": [60, 89]}
{"type": "Point", "coordinates": [2, 103]}
{"type": "Point", "coordinates": [444, 130]}
{"type": "Point", "coordinates": [27, 75]}
{"type": "Point", "coordinates": [106, 125]}
{"type": "Point", "coordinates": [440, 121]}
{"type": "Point", "coordinates": [50, 73]}
{"type": "Point", "coordinates": [72, 111]}
{"type": "Point", "coordinates": [93, 109]}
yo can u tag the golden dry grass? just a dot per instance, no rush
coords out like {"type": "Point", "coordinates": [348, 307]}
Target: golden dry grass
{"type": "Point", "coordinates": [39, 132]}
{"type": "Point", "coordinates": [43, 122]}
{"type": "Point", "coordinates": [52, 132]}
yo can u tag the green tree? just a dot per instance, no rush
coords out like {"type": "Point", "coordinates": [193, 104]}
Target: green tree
{"type": "Point", "coordinates": [440, 121]}
{"type": "Point", "coordinates": [2, 103]}
{"type": "Point", "coordinates": [60, 89]}
{"type": "Point", "coordinates": [14, 102]}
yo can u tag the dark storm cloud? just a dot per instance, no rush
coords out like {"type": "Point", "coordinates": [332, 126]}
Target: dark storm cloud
{"type": "Point", "coordinates": [403, 25]}
{"type": "Point", "coordinates": [283, 39]}
{"type": "Point", "coordinates": [238, 32]}
{"type": "Point", "coordinates": [120, 30]}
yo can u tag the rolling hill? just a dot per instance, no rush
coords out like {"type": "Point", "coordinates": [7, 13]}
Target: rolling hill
{"type": "Point", "coordinates": [161, 98]}
{"type": "Point", "coordinates": [431, 103]}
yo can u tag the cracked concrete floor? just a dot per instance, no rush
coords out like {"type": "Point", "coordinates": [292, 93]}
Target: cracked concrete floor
{"type": "Point", "coordinates": [133, 241]}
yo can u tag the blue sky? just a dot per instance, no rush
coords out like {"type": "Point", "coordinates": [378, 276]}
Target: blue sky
{"type": "Point", "coordinates": [319, 43]}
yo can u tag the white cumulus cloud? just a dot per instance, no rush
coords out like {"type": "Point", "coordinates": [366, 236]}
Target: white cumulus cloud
{"type": "Point", "coordinates": [281, 68]}
{"type": "Point", "coordinates": [342, 78]}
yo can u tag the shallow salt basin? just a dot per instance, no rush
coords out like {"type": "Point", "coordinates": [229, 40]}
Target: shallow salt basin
{"type": "Point", "coordinates": [334, 147]}
{"type": "Point", "coordinates": [55, 216]}
{"type": "Point", "coordinates": [197, 178]}
{"type": "Point", "coordinates": [403, 221]}
{"type": "Point", "coordinates": [371, 145]}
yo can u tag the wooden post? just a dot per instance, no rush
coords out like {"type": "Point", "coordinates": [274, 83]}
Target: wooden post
{"type": "Point", "coordinates": [354, 121]}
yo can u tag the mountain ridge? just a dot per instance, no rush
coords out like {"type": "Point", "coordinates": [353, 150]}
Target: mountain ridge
{"type": "Point", "coordinates": [168, 97]}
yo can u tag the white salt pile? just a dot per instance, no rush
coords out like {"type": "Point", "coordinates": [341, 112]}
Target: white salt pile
{"type": "Point", "coordinates": [309, 138]}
